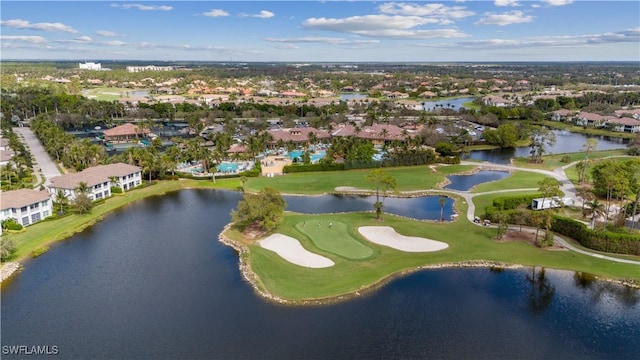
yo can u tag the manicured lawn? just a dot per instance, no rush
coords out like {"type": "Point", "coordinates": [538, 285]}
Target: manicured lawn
{"type": "Point", "coordinates": [517, 180]}
{"type": "Point", "coordinates": [347, 276]}
{"type": "Point", "coordinates": [336, 239]}
{"type": "Point", "coordinates": [408, 178]}
{"type": "Point", "coordinates": [482, 201]}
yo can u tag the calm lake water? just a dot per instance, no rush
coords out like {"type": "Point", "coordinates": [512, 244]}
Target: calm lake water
{"type": "Point", "coordinates": [153, 281]}
{"type": "Point", "coordinates": [454, 104]}
{"type": "Point", "coordinates": [466, 182]}
{"type": "Point", "coordinates": [566, 142]}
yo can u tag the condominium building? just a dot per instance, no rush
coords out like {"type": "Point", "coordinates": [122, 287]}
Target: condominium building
{"type": "Point", "coordinates": [26, 206]}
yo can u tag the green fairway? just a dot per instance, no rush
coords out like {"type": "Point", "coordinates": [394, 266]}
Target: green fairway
{"type": "Point", "coordinates": [334, 237]}
{"type": "Point", "coordinates": [408, 178]}
{"type": "Point", "coordinates": [482, 201]}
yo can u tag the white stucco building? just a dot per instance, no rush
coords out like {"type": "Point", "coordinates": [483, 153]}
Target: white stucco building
{"type": "Point", "coordinates": [90, 66]}
{"type": "Point", "coordinates": [26, 206]}
{"type": "Point", "coordinates": [98, 179]}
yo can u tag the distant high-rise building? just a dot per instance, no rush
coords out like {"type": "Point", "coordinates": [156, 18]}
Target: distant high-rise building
{"type": "Point", "coordinates": [133, 69]}
{"type": "Point", "coordinates": [90, 66]}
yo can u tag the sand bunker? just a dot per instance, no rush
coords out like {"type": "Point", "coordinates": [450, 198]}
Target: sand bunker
{"type": "Point", "coordinates": [387, 236]}
{"type": "Point", "coordinates": [291, 250]}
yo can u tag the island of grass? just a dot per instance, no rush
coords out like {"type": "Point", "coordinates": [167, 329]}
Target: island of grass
{"type": "Point", "coordinates": [355, 264]}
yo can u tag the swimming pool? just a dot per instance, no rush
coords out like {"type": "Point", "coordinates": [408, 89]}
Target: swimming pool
{"type": "Point", "coordinates": [314, 156]}
{"type": "Point", "coordinates": [227, 167]}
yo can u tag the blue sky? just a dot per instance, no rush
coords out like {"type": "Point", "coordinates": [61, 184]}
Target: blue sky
{"type": "Point", "coordinates": [308, 31]}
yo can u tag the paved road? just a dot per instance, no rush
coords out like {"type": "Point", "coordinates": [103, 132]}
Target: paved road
{"type": "Point", "coordinates": [44, 167]}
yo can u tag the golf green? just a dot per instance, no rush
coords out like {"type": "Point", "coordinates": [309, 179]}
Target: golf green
{"type": "Point", "coordinates": [335, 237]}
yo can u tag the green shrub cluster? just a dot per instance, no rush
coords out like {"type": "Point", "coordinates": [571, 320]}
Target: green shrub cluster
{"type": "Point", "coordinates": [11, 224]}
{"type": "Point", "coordinates": [313, 167]}
{"type": "Point", "coordinates": [116, 190]}
{"type": "Point", "coordinates": [513, 202]}
{"type": "Point", "coordinates": [600, 240]}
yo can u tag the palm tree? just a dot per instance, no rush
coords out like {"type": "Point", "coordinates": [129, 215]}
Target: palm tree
{"type": "Point", "coordinates": [62, 199]}
{"type": "Point", "coordinates": [596, 208]}
{"type": "Point", "coordinates": [115, 180]}
{"type": "Point", "coordinates": [82, 188]}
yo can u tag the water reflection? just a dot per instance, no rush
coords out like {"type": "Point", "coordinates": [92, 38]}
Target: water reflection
{"type": "Point", "coordinates": [541, 291]}
{"type": "Point", "coordinates": [422, 208]}
{"type": "Point", "coordinates": [600, 291]}
{"type": "Point", "coordinates": [466, 182]}
{"type": "Point", "coordinates": [566, 142]}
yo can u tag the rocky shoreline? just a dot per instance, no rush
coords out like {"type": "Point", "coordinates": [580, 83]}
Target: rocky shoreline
{"type": "Point", "coordinates": [8, 269]}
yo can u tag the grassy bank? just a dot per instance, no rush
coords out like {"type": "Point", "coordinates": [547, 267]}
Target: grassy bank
{"type": "Point", "coordinates": [350, 275]}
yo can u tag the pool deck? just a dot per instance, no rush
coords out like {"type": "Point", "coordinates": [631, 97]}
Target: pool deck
{"type": "Point", "coordinates": [274, 164]}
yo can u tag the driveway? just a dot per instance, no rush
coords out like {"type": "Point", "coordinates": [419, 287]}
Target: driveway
{"type": "Point", "coordinates": [44, 165]}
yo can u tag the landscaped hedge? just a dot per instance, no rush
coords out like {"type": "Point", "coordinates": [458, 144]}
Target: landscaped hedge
{"type": "Point", "coordinates": [512, 202]}
{"type": "Point", "coordinates": [313, 167]}
{"type": "Point", "coordinates": [601, 240]}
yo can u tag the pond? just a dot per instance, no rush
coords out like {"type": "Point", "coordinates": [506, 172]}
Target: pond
{"type": "Point", "coordinates": [453, 104]}
{"type": "Point", "coordinates": [466, 182]}
{"type": "Point", "coordinates": [153, 281]}
{"type": "Point", "coordinates": [566, 142]}
{"type": "Point", "coordinates": [352, 96]}
{"type": "Point", "coordinates": [421, 208]}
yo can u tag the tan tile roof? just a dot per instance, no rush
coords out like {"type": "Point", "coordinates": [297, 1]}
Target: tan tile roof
{"type": "Point", "coordinates": [16, 199]}
{"type": "Point", "coordinates": [625, 121]}
{"type": "Point", "coordinates": [93, 175]}
{"type": "Point", "coordinates": [297, 134]}
{"type": "Point", "coordinates": [126, 129]}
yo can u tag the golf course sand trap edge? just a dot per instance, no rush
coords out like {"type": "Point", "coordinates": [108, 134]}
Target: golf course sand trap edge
{"type": "Point", "coordinates": [291, 250]}
{"type": "Point", "coordinates": [387, 236]}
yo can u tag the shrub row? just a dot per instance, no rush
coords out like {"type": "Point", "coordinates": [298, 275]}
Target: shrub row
{"type": "Point", "coordinates": [513, 202]}
{"type": "Point", "coordinates": [313, 167]}
{"type": "Point", "coordinates": [601, 240]}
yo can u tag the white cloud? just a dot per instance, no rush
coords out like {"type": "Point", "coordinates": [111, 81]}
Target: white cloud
{"type": "Point", "coordinates": [506, 3]}
{"type": "Point", "coordinates": [24, 24]}
{"type": "Point", "coordinates": [216, 13]}
{"type": "Point", "coordinates": [508, 18]}
{"type": "Point", "coordinates": [28, 39]}
{"type": "Point", "coordinates": [106, 33]}
{"type": "Point", "coordinates": [114, 43]}
{"type": "Point", "coordinates": [324, 40]}
{"type": "Point", "coordinates": [624, 36]}
{"type": "Point", "coordinates": [441, 13]}
{"type": "Point", "coordinates": [366, 23]}
{"type": "Point", "coordinates": [286, 47]}
{"type": "Point", "coordinates": [397, 26]}
{"type": "Point", "coordinates": [558, 2]}
{"type": "Point", "coordinates": [143, 7]}
{"type": "Point", "coordinates": [264, 14]}
{"type": "Point", "coordinates": [84, 39]}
